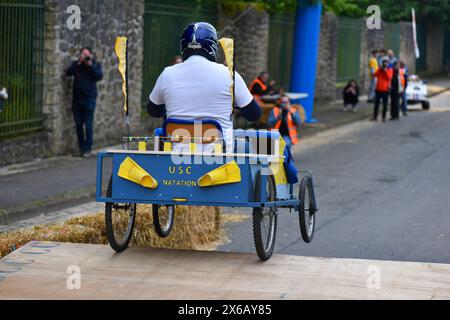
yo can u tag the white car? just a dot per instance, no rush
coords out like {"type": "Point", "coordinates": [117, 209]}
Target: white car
{"type": "Point", "coordinates": [417, 92]}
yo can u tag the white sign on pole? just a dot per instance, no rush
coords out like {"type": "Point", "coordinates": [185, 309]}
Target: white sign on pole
{"type": "Point", "coordinates": [416, 46]}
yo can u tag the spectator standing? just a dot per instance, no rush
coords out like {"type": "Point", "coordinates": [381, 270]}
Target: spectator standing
{"type": "Point", "coordinates": [285, 118]}
{"type": "Point", "coordinates": [404, 73]}
{"type": "Point", "coordinates": [351, 95]}
{"type": "Point", "coordinates": [384, 76]}
{"type": "Point", "coordinates": [373, 66]}
{"type": "Point", "coordinates": [392, 58]}
{"type": "Point", "coordinates": [382, 56]}
{"type": "Point", "coordinates": [87, 72]}
{"type": "Point", "coordinates": [396, 89]}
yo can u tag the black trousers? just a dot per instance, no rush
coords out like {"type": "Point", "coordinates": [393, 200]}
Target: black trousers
{"type": "Point", "coordinates": [350, 98]}
{"type": "Point", "coordinates": [380, 97]}
{"type": "Point", "coordinates": [395, 104]}
{"type": "Point", "coordinates": [83, 114]}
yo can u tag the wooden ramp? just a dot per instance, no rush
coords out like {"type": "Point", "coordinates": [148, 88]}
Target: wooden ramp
{"type": "Point", "coordinates": [39, 271]}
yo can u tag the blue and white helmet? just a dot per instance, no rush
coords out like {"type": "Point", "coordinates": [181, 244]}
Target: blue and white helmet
{"type": "Point", "coordinates": [199, 38]}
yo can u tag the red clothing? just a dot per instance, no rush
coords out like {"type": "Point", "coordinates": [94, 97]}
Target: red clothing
{"type": "Point", "coordinates": [384, 78]}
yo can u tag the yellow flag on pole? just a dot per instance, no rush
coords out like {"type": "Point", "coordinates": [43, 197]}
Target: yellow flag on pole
{"type": "Point", "coordinates": [227, 45]}
{"type": "Point", "coordinates": [121, 52]}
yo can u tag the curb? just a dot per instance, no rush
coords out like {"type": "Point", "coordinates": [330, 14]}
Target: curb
{"type": "Point", "coordinates": [33, 209]}
{"type": "Point", "coordinates": [438, 92]}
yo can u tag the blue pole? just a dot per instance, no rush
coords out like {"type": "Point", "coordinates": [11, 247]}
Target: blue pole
{"type": "Point", "coordinates": [304, 58]}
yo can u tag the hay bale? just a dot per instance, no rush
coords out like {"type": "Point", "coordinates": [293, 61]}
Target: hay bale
{"type": "Point", "coordinates": [194, 228]}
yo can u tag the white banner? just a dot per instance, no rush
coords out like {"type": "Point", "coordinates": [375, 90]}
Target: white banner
{"type": "Point", "coordinates": [416, 46]}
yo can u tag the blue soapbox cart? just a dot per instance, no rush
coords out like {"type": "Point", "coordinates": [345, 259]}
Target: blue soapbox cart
{"type": "Point", "coordinates": [177, 170]}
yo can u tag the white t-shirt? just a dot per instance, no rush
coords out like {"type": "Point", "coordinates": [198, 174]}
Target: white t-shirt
{"type": "Point", "coordinates": [200, 89]}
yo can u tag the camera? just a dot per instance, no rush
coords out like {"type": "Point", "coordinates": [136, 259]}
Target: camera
{"type": "Point", "coordinates": [87, 59]}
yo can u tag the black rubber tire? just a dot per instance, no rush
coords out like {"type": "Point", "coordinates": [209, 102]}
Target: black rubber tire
{"type": "Point", "coordinates": [264, 248]}
{"type": "Point", "coordinates": [426, 105]}
{"type": "Point", "coordinates": [307, 211]}
{"type": "Point", "coordinates": [118, 246]}
{"type": "Point", "coordinates": [163, 232]}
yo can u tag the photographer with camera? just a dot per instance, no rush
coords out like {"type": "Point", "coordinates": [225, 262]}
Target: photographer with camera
{"type": "Point", "coordinates": [286, 119]}
{"type": "Point", "coordinates": [87, 72]}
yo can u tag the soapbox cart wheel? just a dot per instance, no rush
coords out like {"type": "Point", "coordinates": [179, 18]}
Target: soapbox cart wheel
{"type": "Point", "coordinates": [163, 219]}
{"type": "Point", "coordinates": [119, 220]}
{"type": "Point", "coordinates": [265, 219]}
{"type": "Point", "coordinates": [307, 209]}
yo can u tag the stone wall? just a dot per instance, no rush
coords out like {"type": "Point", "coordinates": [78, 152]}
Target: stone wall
{"type": "Point", "coordinates": [23, 149]}
{"type": "Point", "coordinates": [407, 52]}
{"type": "Point", "coordinates": [327, 59]}
{"type": "Point", "coordinates": [435, 43]}
{"type": "Point", "coordinates": [249, 27]}
{"type": "Point", "coordinates": [101, 22]}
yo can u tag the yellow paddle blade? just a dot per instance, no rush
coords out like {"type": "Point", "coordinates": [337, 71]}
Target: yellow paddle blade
{"type": "Point", "coordinates": [226, 174]}
{"type": "Point", "coordinates": [133, 172]}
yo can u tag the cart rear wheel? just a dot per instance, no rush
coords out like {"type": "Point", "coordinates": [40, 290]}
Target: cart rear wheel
{"type": "Point", "coordinates": [163, 219]}
{"type": "Point", "coordinates": [265, 220]}
{"type": "Point", "coordinates": [119, 219]}
{"type": "Point", "coordinates": [307, 211]}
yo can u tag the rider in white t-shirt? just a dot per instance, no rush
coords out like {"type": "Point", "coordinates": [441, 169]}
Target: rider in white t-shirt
{"type": "Point", "coordinates": [199, 88]}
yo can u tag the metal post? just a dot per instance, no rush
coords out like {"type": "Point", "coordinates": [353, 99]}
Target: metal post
{"type": "Point", "coordinates": [304, 58]}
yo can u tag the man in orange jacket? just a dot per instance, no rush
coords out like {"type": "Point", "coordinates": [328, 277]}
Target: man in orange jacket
{"type": "Point", "coordinates": [285, 118]}
{"type": "Point", "coordinates": [384, 77]}
{"type": "Point", "coordinates": [261, 86]}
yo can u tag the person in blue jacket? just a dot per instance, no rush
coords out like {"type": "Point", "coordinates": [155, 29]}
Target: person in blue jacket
{"type": "Point", "coordinates": [87, 72]}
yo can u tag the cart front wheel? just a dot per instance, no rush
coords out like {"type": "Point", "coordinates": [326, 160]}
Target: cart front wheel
{"type": "Point", "coordinates": [265, 220]}
{"type": "Point", "coordinates": [119, 219]}
{"type": "Point", "coordinates": [307, 211]}
{"type": "Point", "coordinates": [163, 219]}
{"type": "Point", "coordinates": [426, 105]}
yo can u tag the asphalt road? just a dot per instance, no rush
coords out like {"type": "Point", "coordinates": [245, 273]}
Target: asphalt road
{"type": "Point", "coordinates": [383, 190]}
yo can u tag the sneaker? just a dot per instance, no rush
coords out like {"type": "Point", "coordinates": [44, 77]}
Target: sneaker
{"type": "Point", "coordinates": [87, 154]}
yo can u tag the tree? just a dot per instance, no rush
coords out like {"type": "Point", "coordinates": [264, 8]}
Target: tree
{"type": "Point", "coordinates": [394, 10]}
{"type": "Point", "coordinates": [391, 10]}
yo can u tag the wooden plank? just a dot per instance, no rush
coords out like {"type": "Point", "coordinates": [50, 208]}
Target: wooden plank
{"type": "Point", "coordinates": [39, 271]}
